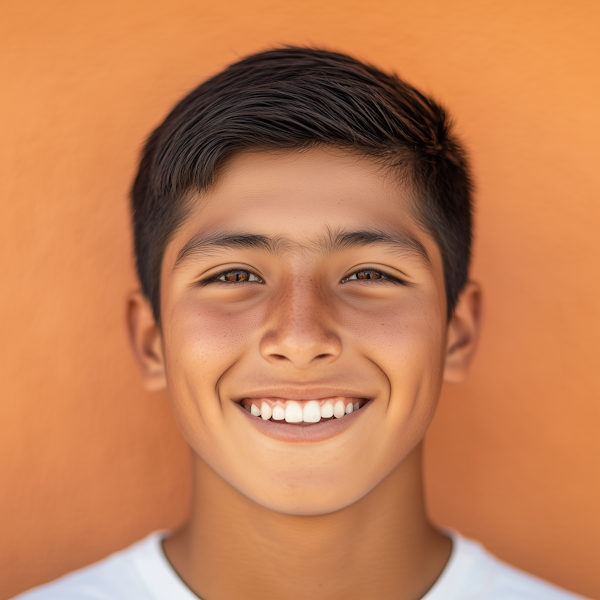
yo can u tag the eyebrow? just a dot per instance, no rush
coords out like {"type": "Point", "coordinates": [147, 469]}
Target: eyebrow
{"type": "Point", "coordinates": [398, 241]}
{"type": "Point", "coordinates": [204, 245]}
{"type": "Point", "coordinates": [333, 241]}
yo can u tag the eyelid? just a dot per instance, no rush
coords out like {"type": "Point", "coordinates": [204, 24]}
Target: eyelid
{"type": "Point", "coordinates": [386, 276]}
{"type": "Point", "coordinates": [212, 278]}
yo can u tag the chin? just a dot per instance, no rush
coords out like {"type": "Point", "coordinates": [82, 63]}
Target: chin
{"type": "Point", "coordinates": [309, 507]}
{"type": "Point", "coordinates": [307, 502]}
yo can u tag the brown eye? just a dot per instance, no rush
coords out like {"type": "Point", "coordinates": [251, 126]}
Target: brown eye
{"type": "Point", "coordinates": [371, 275]}
{"type": "Point", "coordinates": [368, 274]}
{"type": "Point", "coordinates": [237, 276]}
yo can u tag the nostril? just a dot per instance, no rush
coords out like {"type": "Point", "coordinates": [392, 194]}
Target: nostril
{"type": "Point", "coordinates": [281, 347]}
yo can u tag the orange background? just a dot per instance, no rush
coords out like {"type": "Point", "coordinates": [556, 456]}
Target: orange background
{"type": "Point", "coordinates": [90, 463]}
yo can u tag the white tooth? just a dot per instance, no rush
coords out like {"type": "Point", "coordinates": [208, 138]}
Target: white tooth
{"type": "Point", "coordinates": [349, 408]}
{"type": "Point", "coordinates": [356, 406]}
{"type": "Point", "coordinates": [278, 413]}
{"type": "Point", "coordinates": [255, 410]}
{"type": "Point", "coordinates": [339, 410]}
{"type": "Point", "coordinates": [293, 413]}
{"type": "Point", "coordinates": [265, 411]}
{"type": "Point", "coordinates": [247, 407]}
{"type": "Point", "coordinates": [311, 412]}
{"type": "Point", "coordinates": [327, 410]}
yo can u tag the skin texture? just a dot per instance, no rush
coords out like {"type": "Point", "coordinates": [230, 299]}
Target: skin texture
{"type": "Point", "coordinates": [342, 517]}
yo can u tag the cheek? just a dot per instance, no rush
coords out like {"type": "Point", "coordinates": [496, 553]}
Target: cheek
{"type": "Point", "coordinates": [407, 344]}
{"type": "Point", "coordinates": [202, 344]}
{"type": "Point", "coordinates": [205, 340]}
{"type": "Point", "coordinates": [405, 339]}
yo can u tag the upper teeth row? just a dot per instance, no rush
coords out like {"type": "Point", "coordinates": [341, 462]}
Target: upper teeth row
{"type": "Point", "coordinates": [311, 412]}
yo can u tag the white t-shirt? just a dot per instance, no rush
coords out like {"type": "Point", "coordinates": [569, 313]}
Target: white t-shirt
{"type": "Point", "coordinates": [142, 572]}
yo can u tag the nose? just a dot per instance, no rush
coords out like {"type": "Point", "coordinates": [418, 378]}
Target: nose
{"type": "Point", "coordinates": [300, 328]}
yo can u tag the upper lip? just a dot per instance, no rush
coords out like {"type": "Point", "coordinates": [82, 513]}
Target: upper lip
{"type": "Point", "coordinates": [301, 393]}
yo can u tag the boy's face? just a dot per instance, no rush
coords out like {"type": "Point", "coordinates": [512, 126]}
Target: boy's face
{"type": "Point", "coordinates": [303, 276]}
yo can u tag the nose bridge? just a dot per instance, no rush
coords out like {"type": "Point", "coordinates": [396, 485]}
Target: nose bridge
{"type": "Point", "coordinates": [300, 325]}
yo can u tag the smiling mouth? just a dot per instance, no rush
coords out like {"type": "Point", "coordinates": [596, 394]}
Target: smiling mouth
{"type": "Point", "coordinates": [302, 412]}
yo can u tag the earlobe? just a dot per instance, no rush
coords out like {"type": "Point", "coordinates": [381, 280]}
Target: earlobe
{"type": "Point", "coordinates": [146, 342]}
{"type": "Point", "coordinates": [463, 334]}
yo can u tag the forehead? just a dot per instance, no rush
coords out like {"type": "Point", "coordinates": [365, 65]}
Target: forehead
{"type": "Point", "coordinates": [300, 196]}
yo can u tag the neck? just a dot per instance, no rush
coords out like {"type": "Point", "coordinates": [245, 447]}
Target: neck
{"type": "Point", "coordinates": [381, 547]}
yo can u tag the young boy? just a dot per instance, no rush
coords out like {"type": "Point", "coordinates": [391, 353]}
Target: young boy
{"type": "Point", "coordinates": [302, 231]}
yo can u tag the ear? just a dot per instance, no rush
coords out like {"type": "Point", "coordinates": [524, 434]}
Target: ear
{"type": "Point", "coordinates": [146, 342]}
{"type": "Point", "coordinates": [463, 334]}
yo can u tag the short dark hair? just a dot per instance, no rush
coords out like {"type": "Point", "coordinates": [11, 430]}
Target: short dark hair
{"type": "Point", "coordinates": [296, 98]}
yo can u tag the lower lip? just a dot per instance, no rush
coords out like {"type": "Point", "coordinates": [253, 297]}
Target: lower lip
{"type": "Point", "coordinates": [315, 432]}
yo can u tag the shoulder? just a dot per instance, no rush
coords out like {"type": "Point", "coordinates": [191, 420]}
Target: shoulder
{"type": "Point", "coordinates": [117, 577]}
{"type": "Point", "coordinates": [473, 573]}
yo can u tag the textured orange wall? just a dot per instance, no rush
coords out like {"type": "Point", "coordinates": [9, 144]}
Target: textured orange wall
{"type": "Point", "coordinates": [90, 463]}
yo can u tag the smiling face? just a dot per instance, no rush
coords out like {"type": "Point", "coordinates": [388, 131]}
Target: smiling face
{"type": "Point", "coordinates": [304, 331]}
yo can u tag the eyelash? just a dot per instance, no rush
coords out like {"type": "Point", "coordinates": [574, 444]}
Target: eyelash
{"type": "Point", "coordinates": [351, 277]}
{"type": "Point", "coordinates": [384, 277]}
{"type": "Point", "coordinates": [215, 278]}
